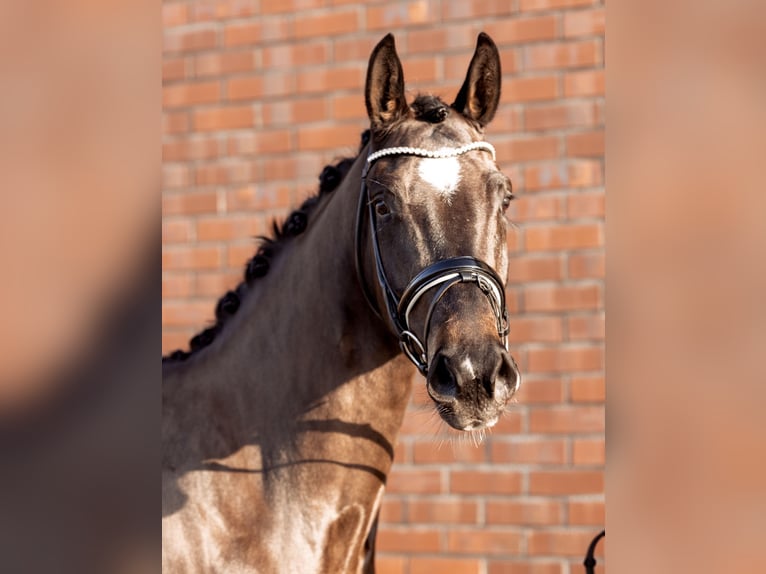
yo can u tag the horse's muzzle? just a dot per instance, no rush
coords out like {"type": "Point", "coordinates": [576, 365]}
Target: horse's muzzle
{"type": "Point", "coordinates": [472, 386]}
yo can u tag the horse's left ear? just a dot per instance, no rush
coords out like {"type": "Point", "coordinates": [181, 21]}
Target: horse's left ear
{"type": "Point", "coordinates": [480, 94]}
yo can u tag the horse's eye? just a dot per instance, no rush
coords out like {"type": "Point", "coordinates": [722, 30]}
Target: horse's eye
{"type": "Point", "coordinates": [507, 201]}
{"type": "Point", "coordinates": [381, 209]}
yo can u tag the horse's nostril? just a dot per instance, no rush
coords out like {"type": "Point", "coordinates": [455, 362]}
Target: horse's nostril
{"type": "Point", "coordinates": [442, 382]}
{"type": "Point", "coordinates": [509, 372]}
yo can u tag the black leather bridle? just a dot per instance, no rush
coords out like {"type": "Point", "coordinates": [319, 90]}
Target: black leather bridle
{"type": "Point", "coordinates": [440, 275]}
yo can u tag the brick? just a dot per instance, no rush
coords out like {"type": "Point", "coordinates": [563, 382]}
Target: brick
{"type": "Point", "coordinates": [560, 543]}
{"type": "Point", "coordinates": [402, 453]}
{"type": "Point", "coordinates": [414, 541]}
{"type": "Point", "coordinates": [586, 513]}
{"type": "Point", "coordinates": [301, 111]}
{"type": "Point", "coordinates": [534, 512]}
{"type": "Point", "coordinates": [427, 452]}
{"type": "Point", "coordinates": [324, 25]}
{"type": "Point", "coordinates": [183, 95]}
{"type": "Point", "coordinates": [586, 205]}
{"type": "Point", "coordinates": [588, 452]}
{"type": "Point", "coordinates": [586, 265]}
{"type": "Point", "coordinates": [260, 142]}
{"type": "Point", "coordinates": [190, 258]}
{"type": "Point", "coordinates": [392, 15]}
{"type": "Point", "coordinates": [451, 565]}
{"type": "Point", "coordinates": [254, 32]}
{"type": "Point", "coordinates": [567, 298]}
{"type": "Point", "coordinates": [456, 65]}
{"type": "Point", "coordinates": [189, 203]}
{"type": "Point", "coordinates": [321, 138]}
{"type": "Point", "coordinates": [254, 87]}
{"type": "Point", "coordinates": [536, 88]}
{"type": "Point", "coordinates": [539, 329]}
{"type": "Point", "coordinates": [390, 564]}
{"type": "Point", "coordinates": [175, 176]}
{"type": "Point", "coordinates": [587, 389]}
{"type": "Point", "coordinates": [584, 54]}
{"type": "Point", "coordinates": [588, 144]}
{"type": "Point", "coordinates": [565, 359]}
{"type": "Point", "coordinates": [441, 511]}
{"type": "Point", "coordinates": [509, 118]}
{"type": "Point", "coordinates": [540, 391]}
{"type": "Point", "coordinates": [223, 118]}
{"type": "Point", "coordinates": [557, 116]}
{"type": "Point", "coordinates": [174, 14]}
{"type": "Point", "coordinates": [529, 268]}
{"type": "Point", "coordinates": [177, 286]}
{"type": "Point", "coordinates": [476, 9]}
{"type": "Point", "coordinates": [485, 482]}
{"type": "Point", "coordinates": [238, 253]}
{"type": "Point", "coordinates": [585, 23]}
{"type": "Point", "coordinates": [487, 542]}
{"type": "Point", "coordinates": [448, 37]}
{"type": "Point", "coordinates": [215, 283]}
{"type": "Point", "coordinates": [177, 231]}
{"type": "Point", "coordinates": [187, 314]}
{"type": "Point", "coordinates": [173, 339]}
{"type": "Point", "coordinates": [278, 168]}
{"type": "Point", "coordinates": [420, 70]}
{"type": "Point", "coordinates": [225, 228]}
{"type": "Point", "coordinates": [175, 123]}
{"type": "Point", "coordinates": [212, 10]}
{"type": "Point", "coordinates": [537, 451]}
{"type": "Point", "coordinates": [295, 55]}
{"type": "Point", "coordinates": [566, 482]}
{"type": "Point", "coordinates": [567, 419]}
{"type": "Point", "coordinates": [510, 423]}
{"type": "Point", "coordinates": [585, 173]}
{"type": "Point", "coordinates": [173, 69]}
{"type": "Point", "coordinates": [348, 107]}
{"type": "Point", "coordinates": [258, 198]}
{"type": "Point", "coordinates": [280, 6]}
{"type": "Point", "coordinates": [223, 63]}
{"type": "Point", "coordinates": [563, 174]}
{"type": "Point", "coordinates": [190, 149]}
{"type": "Point", "coordinates": [522, 30]}
{"type": "Point", "coordinates": [352, 50]}
{"type": "Point", "coordinates": [527, 148]}
{"type": "Point", "coordinates": [586, 328]}
{"type": "Point", "coordinates": [584, 83]}
{"type": "Point", "coordinates": [391, 510]}
{"type": "Point", "coordinates": [538, 5]}
{"type": "Point", "coordinates": [330, 79]}
{"type": "Point", "coordinates": [526, 568]}
{"type": "Point", "coordinates": [563, 237]}
{"type": "Point", "coordinates": [190, 41]}
{"type": "Point", "coordinates": [414, 481]}
{"type": "Point", "coordinates": [535, 208]}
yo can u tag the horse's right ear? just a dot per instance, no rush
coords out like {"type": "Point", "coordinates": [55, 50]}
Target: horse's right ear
{"type": "Point", "coordinates": [384, 91]}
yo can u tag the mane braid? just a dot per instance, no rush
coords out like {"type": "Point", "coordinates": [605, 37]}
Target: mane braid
{"type": "Point", "coordinates": [259, 264]}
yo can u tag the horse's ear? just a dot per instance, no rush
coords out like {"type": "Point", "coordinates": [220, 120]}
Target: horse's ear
{"type": "Point", "coordinates": [480, 94]}
{"type": "Point", "coordinates": [384, 91]}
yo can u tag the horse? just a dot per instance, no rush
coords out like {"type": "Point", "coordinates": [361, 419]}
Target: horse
{"type": "Point", "coordinates": [279, 424]}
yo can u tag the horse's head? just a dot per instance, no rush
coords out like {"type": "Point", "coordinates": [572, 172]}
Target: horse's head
{"type": "Point", "coordinates": [432, 218]}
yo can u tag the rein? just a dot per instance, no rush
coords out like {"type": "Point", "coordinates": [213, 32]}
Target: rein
{"type": "Point", "coordinates": [443, 274]}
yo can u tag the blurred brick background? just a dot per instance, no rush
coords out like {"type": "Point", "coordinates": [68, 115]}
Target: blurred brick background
{"type": "Point", "coordinates": [259, 95]}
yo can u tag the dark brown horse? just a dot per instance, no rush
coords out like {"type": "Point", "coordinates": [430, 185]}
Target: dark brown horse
{"type": "Point", "coordinates": [278, 427]}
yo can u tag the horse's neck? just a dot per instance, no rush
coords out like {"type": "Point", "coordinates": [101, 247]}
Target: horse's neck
{"type": "Point", "coordinates": [304, 346]}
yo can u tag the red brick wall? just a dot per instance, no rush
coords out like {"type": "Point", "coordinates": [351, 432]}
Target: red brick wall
{"type": "Point", "coordinates": [260, 94]}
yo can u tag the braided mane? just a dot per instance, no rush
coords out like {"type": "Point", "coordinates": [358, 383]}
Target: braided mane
{"type": "Point", "coordinates": [258, 265]}
{"type": "Point", "coordinates": [425, 108]}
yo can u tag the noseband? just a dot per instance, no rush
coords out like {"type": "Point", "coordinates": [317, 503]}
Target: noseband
{"type": "Point", "coordinates": [439, 276]}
